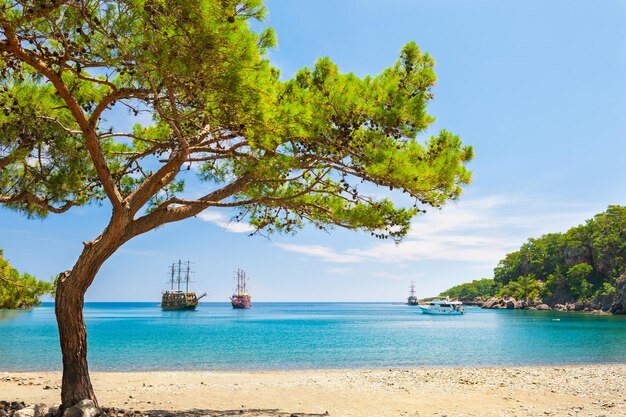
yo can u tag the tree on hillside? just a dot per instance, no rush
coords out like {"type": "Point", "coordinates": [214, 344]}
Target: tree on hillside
{"type": "Point", "coordinates": [525, 288]}
{"type": "Point", "coordinates": [279, 153]}
{"type": "Point", "coordinates": [471, 290]}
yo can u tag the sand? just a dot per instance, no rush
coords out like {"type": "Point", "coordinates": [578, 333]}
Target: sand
{"type": "Point", "coordinates": [592, 390]}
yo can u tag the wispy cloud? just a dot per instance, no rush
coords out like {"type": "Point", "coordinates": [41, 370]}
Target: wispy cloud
{"type": "Point", "coordinates": [479, 231]}
{"type": "Point", "coordinates": [323, 252]}
{"type": "Point", "coordinates": [221, 220]}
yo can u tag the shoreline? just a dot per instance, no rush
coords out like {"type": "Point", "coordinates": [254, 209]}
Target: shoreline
{"type": "Point", "coordinates": [336, 369]}
{"type": "Point", "coordinates": [580, 390]}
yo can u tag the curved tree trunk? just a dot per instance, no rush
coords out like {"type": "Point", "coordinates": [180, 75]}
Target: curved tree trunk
{"type": "Point", "coordinates": [69, 301]}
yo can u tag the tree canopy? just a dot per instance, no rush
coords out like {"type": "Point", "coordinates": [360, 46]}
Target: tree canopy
{"type": "Point", "coordinates": [471, 290]}
{"type": "Point", "coordinates": [282, 151]}
{"type": "Point", "coordinates": [19, 290]}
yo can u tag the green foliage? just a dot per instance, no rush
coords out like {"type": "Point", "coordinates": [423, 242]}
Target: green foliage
{"type": "Point", "coordinates": [523, 288]}
{"type": "Point", "coordinates": [577, 277]}
{"type": "Point", "coordinates": [578, 265]}
{"type": "Point", "coordinates": [19, 290]}
{"type": "Point", "coordinates": [484, 288]}
{"type": "Point", "coordinates": [282, 152]}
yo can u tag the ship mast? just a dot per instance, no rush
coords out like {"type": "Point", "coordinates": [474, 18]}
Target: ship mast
{"type": "Point", "coordinates": [172, 277]}
{"type": "Point", "coordinates": [412, 289]}
{"type": "Point", "coordinates": [187, 277]}
{"type": "Point", "coordinates": [241, 282]}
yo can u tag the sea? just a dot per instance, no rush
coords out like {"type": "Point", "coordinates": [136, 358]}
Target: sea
{"type": "Point", "coordinates": [287, 336]}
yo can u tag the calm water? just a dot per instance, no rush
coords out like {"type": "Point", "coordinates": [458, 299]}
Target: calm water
{"type": "Point", "coordinates": [139, 336]}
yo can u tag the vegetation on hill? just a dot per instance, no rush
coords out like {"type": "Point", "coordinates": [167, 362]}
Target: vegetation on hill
{"type": "Point", "coordinates": [18, 291]}
{"type": "Point", "coordinates": [471, 290]}
{"type": "Point", "coordinates": [587, 263]}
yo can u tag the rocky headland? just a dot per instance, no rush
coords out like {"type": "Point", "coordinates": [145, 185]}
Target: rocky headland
{"type": "Point", "coordinates": [616, 305]}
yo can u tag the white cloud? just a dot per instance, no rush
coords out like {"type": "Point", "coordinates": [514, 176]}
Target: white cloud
{"type": "Point", "coordinates": [322, 252]}
{"type": "Point", "coordinates": [478, 232]}
{"type": "Point", "coordinates": [222, 221]}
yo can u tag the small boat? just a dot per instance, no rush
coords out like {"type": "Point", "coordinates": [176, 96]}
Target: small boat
{"type": "Point", "coordinates": [443, 307]}
{"type": "Point", "coordinates": [176, 299]}
{"type": "Point", "coordinates": [412, 300]}
{"type": "Point", "coordinates": [241, 298]}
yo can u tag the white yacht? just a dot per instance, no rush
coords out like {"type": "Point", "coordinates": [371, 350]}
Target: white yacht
{"type": "Point", "coordinates": [443, 307]}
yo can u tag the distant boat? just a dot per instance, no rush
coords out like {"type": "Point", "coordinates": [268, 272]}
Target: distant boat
{"type": "Point", "coordinates": [176, 299]}
{"type": "Point", "coordinates": [443, 307]}
{"type": "Point", "coordinates": [412, 300]}
{"type": "Point", "coordinates": [241, 298]}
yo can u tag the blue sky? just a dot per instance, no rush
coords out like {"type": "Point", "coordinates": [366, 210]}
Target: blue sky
{"type": "Point", "coordinates": [538, 88]}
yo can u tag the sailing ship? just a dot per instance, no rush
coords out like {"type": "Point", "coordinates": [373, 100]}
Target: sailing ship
{"type": "Point", "coordinates": [412, 300]}
{"type": "Point", "coordinates": [241, 298]}
{"type": "Point", "coordinates": [176, 299]}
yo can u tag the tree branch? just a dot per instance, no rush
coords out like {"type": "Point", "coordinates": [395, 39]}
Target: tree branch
{"type": "Point", "coordinates": [26, 197]}
{"type": "Point", "coordinates": [12, 45]}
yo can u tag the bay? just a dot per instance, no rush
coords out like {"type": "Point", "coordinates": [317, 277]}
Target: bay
{"type": "Point", "coordinates": [283, 336]}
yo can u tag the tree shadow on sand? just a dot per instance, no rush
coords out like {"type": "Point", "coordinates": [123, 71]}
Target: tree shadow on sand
{"type": "Point", "coordinates": [247, 412]}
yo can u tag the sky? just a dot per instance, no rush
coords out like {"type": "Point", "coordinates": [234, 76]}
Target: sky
{"type": "Point", "coordinates": [537, 88]}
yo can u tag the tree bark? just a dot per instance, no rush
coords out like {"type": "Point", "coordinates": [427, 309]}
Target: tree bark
{"type": "Point", "coordinates": [76, 384]}
{"type": "Point", "coordinates": [69, 302]}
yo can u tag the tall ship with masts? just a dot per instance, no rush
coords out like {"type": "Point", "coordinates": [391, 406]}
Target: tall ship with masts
{"type": "Point", "coordinates": [412, 300]}
{"type": "Point", "coordinates": [175, 298]}
{"type": "Point", "coordinates": [241, 298]}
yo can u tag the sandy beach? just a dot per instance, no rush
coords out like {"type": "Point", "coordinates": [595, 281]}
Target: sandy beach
{"type": "Point", "coordinates": [593, 390]}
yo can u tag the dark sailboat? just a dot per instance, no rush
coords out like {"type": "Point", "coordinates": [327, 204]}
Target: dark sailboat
{"type": "Point", "coordinates": [241, 298]}
{"type": "Point", "coordinates": [412, 300]}
{"type": "Point", "coordinates": [176, 299]}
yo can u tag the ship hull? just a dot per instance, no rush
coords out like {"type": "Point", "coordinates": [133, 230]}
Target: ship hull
{"type": "Point", "coordinates": [426, 310]}
{"type": "Point", "coordinates": [178, 300]}
{"type": "Point", "coordinates": [179, 307]}
{"type": "Point", "coordinates": [241, 302]}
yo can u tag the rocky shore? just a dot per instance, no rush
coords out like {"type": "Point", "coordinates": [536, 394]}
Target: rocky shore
{"type": "Point", "coordinates": [608, 305]}
{"type": "Point", "coordinates": [510, 303]}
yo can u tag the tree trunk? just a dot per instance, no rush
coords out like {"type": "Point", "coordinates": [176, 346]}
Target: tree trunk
{"type": "Point", "coordinates": [69, 301]}
{"type": "Point", "coordinates": [76, 384]}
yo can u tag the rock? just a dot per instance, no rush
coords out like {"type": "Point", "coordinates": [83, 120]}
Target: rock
{"type": "Point", "coordinates": [580, 306]}
{"type": "Point", "coordinates": [25, 412]}
{"type": "Point", "coordinates": [488, 303]}
{"type": "Point", "coordinates": [560, 307]}
{"type": "Point", "coordinates": [41, 410]}
{"type": "Point", "coordinates": [543, 307]}
{"type": "Point", "coordinates": [17, 405]}
{"type": "Point", "coordinates": [510, 304]}
{"type": "Point", "coordinates": [84, 408]}
{"type": "Point", "coordinates": [54, 411]}
{"type": "Point", "coordinates": [3, 413]}
{"type": "Point", "coordinates": [619, 307]}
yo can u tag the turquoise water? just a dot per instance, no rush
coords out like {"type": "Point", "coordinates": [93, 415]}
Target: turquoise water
{"type": "Point", "coordinates": [139, 336]}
